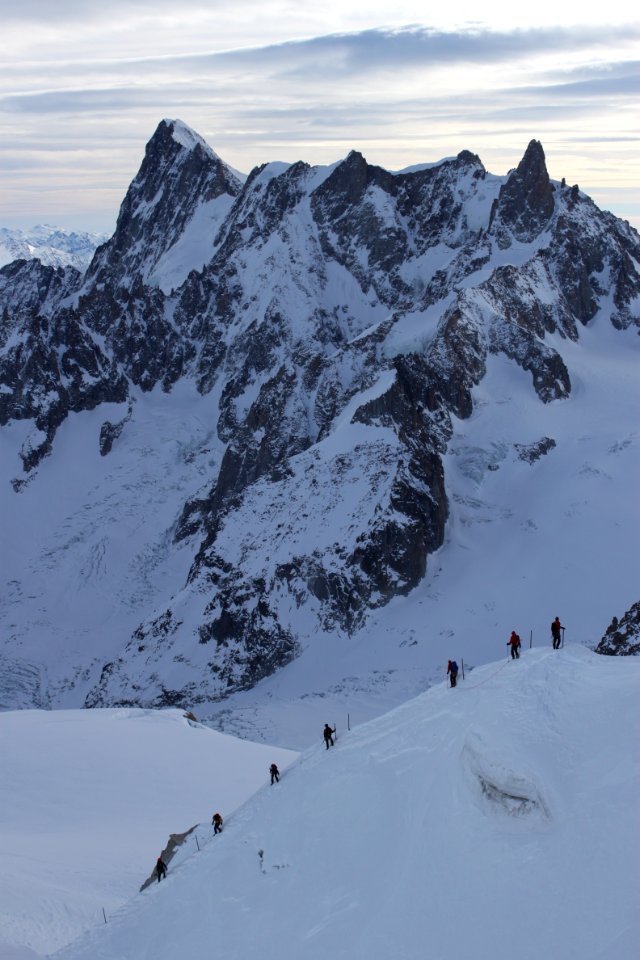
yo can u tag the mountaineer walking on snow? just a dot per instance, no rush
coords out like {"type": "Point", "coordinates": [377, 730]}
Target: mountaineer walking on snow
{"type": "Point", "coordinates": [275, 774]}
{"type": "Point", "coordinates": [328, 735]}
{"type": "Point", "coordinates": [556, 633]}
{"type": "Point", "coordinates": [161, 868]}
{"type": "Point", "coordinates": [514, 643]}
{"type": "Point", "coordinates": [452, 672]}
{"type": "Point", "coordinates": [217, 823]}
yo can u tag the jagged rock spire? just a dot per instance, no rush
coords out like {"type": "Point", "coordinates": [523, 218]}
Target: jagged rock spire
{"type": "Point", "coordinates": [525, 203]}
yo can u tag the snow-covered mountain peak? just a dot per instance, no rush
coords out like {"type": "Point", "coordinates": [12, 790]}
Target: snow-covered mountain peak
{"type": "Point", "coordinates": [186, 136]}
{"type": "Point", "coordinates": [325, 337]}
{"type": "Point", "coordinates": [170, 215]}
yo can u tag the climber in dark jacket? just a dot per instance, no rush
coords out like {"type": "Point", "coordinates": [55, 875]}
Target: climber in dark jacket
{"type": "Point", "coordinates": [452, 672]}
{"type": "Point", "coordinates": [161, 868]}
{"type": "Point", "coordinates": [328, 735]}
{"type": "Point", "coordinates": [275, 773]}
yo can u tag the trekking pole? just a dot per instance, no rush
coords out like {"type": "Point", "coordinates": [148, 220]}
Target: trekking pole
{"type": "Point", "coordinates": [462, 665]}
{"type": "Point", "coordinates": [562, 644]}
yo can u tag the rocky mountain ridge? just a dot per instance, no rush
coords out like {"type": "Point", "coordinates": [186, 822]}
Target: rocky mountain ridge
{"type": "Point", "coordinates": [340, 319]}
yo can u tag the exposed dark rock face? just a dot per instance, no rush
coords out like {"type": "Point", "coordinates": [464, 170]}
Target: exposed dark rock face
{"type": "Point", "coordinates": [27, 287]}
{"type": "Point", "coordinates": [525, 203]}
{"type": "Point", "coordinates": [532, 452]}
{"type": "Point", "coordinates": [395, 560]}
{"type": "Point", "coordinates": [361, 209]}
{"type": "Point", "coordinates": [622, 637]}
{"type": "Point", "coordinates": [109, 433]}
{"type": "Point", "coordinates": [50, 365]}
{"type": "Point", "coordinates": [296, 322]}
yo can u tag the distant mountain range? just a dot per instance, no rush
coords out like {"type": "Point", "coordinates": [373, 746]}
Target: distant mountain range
{"type": "Point", "coordinates": [53, 246]}
{"type": "Point", "coordinates": [275, 410]}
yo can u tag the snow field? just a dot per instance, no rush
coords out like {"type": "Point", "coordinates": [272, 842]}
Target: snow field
{"type": "Point", "coordinates": [490, 821]}
{"type": "Point", "coordinates": [88, 800]}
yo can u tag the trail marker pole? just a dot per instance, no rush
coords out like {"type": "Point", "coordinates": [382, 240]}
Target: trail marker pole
{"type": "Point", "coordinates": [104, 915]}
{"type": "Point", "coordinates": [197, 844]}
{"type": "Point", "coordinates": [348, 721]}
{"type": "Point", "coordinates": [562, 644]}
{"type": "Point", "coordinates": [462, 665]}
{"type": "Point", "coordinates": [530, 639]}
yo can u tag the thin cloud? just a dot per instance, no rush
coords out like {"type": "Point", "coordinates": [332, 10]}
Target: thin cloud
{"type": "Point", "coordinates": [42, 11]}
{"type": "Point", "coordinates": [401, 96]}
{"type": "Point", "coordinates": [372, 50]}
{"type": "Point", "coordinates": [363, 52]}
{"type": "Point", "coordinates": [600, 87]}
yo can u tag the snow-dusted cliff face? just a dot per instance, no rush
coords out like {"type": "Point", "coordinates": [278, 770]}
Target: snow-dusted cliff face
{"type": "Point", "coordinates": [278, 369]}
{"type": "Point", "coordinates": [622, 637]}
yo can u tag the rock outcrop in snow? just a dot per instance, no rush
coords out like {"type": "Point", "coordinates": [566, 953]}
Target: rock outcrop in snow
{"type": "Point", "coordinates": [622, 637]}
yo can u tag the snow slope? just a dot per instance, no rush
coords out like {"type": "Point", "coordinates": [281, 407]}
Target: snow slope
{"type": "Point", "coordinates": [108, 551]}
{"type": "Point", "coordinates": [88, 800]}
{"type": "Point", "coordinates": [492, 821]}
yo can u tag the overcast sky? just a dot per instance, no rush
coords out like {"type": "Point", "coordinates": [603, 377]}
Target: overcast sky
{"type": "Point", "coordinates": [83, 85]}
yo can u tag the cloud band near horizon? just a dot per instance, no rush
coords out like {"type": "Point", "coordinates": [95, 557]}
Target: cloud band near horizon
{"type": "Point", "coordinates": [400, 96]}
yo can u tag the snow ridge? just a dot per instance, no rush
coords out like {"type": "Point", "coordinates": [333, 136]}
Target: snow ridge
{"type": "Point", "coordinates": [456, 801]}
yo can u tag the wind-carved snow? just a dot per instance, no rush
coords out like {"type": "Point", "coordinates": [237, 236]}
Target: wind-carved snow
{"type": "Point", "coordinates": [502, 788]}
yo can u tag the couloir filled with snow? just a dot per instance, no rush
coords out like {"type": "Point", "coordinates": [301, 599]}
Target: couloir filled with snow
{"type": "Point", "coordinates": [493, 820]}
